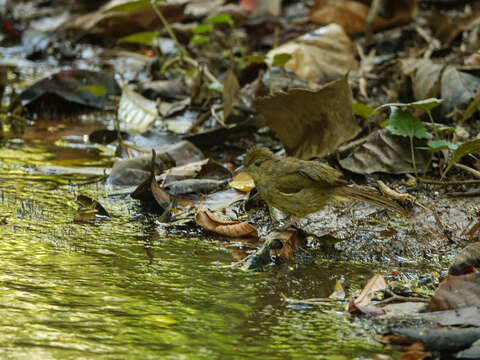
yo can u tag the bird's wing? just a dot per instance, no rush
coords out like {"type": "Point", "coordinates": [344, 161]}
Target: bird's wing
{"type": "Point", "coordinates": [321, 173]}
{"type": "Point", "coordinates": [299, 174]}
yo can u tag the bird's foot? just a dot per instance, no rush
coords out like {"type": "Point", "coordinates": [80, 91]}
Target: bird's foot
{"type": "Point", "coordinates": [291, 224]}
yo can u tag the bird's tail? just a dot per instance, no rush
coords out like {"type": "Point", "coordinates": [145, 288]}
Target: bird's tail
{"type": "Point", "coordinates": [369, 196]}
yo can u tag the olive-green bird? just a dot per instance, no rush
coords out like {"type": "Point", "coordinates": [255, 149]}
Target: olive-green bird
{"type": "Point", "coordinates": [300, 187]}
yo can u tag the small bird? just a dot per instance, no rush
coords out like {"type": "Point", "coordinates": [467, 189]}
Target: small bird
{"type": "Point", "coordinates": [300, 187]}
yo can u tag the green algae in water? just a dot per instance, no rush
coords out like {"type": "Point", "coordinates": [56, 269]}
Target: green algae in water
{"type": "Point", "coordinates": [120, 290]}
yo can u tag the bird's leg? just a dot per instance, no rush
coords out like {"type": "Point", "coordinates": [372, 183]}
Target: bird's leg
{"type": "Point", "coordinates": [291, 222]}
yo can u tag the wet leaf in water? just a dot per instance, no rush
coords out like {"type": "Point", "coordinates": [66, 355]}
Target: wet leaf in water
{"type": "Point", "coordinates": [375, 284]}
{"type": "Point", "coordinates": [209, 221]}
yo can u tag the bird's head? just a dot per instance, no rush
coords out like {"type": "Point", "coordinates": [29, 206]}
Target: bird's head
{"type": "Point", "coordinates": [255, 156]}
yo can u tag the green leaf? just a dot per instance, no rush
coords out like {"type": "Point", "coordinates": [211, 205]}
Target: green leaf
{"type": "Point", "coordinates": [220, 19]}
{"type": "Point", "coordinates": [426, 104]}
{"type": "Point", "coordinates": [405, 124]}
{"type": "Point", "coordinates": [130, 6]}
{"type": "Point", "coordinates": [437, 145]}
{"type": "Point", "coordinates": [216, 86]}
{"type": "Point", "coordinates": [281, 59]}
{"type": "Point", "coordinates": [199, 39]}
{"type": "Point", "coordinates": [464, 149]}
{"type": "Point", "coordinates": [145, 38]}
{"type": "Point", "coordinates": [363, 110]}
{"type": "Point", "coordinates": [94, 89]}
{"type": "Point", "coordinates": [256, 59]}
{"type": "Point", "coordinates": [202, 29]}
{"type": "Point", "coordinates": [472, 107]}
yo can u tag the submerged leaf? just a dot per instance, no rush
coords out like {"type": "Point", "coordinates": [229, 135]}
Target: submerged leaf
{"type": "Point", "coordinates": [404, 123]}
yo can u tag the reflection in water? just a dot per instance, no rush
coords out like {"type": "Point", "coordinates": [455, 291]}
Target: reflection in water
{"type": "Point", "coordinates": [119, 290]}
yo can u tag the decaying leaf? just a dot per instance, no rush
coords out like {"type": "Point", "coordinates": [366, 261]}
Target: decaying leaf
{"type": "Point", "coordinates": [209, 221]}
{"type": "Point", "coordinates": [456, 292]}
{"type": "Point", "coordinates": [311, 123]}
{"type": "Point", "coordinates": [352, 15]}
{"type": "Point", "coordinates": [384, 152]}
{"type": "Point", "coordinates": [323, 55]}
{"type": "Point", "coordinates": [134, 171]}
{"type": "Point", "coordinates": [83, 87]}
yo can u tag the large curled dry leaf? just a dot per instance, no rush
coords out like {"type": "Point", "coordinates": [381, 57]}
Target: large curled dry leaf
{"type": "Point", "coordinates": [352, 15]}
{"type": "Point", "coordinates": [456, 292]}
{"type": "Point", "coordinates": [322, 55]}
{"type": "Point", "coordinates": [209, 221]}
{"type": "Point", "coordinates": [311, 123]}
{"type": "Point", "coordinates": [384, 152]}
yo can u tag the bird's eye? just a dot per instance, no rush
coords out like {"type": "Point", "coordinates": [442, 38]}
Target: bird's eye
{"type": "Point", "coordinates": [258, 163]}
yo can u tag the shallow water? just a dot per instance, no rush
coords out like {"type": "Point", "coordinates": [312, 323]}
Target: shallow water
{"type": "Point", "coordinates": [122, 289]}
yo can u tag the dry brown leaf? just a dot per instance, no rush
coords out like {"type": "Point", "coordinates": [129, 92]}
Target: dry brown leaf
{"type": "Point", "coordinates": [384, 152]}
{"type": "Point", "coordinates": [311, 123]}
{"type": "Point", "coordinates": [456, 292]}
{"type": "Point", "coordinates": [322, 55]}
{"type": "Point", "coordinates": [230, 90]}
{"type": "Point", "coordinates": [467, 260]}
{"type": "Point", "coordinates": [375, 284]}
{"type": "Point", "coordinates": [352, 15]}
{"type": "Point", "coordinates": [209, 221]}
